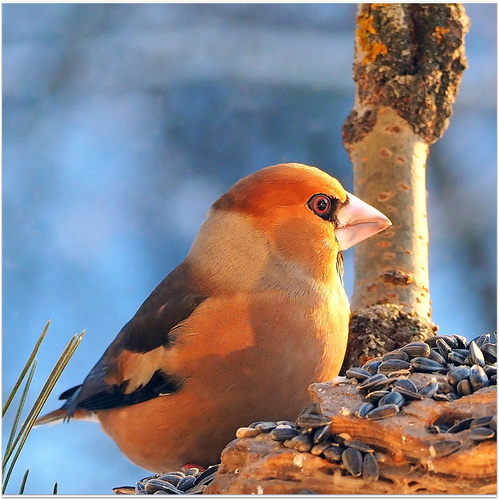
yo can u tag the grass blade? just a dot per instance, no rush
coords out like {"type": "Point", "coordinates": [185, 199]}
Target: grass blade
{"type": "Point", "coordinates": [23, 483]}
{"type": "Point", "coordinates": [38, 405]}
{"type": "Point", "coordinates": [25, 369]}
{"type": "Point", "coordinates": [20, 408]}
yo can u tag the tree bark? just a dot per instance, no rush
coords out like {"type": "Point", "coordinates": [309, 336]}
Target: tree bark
{"type": "Point", "coordinates": [409, 59]}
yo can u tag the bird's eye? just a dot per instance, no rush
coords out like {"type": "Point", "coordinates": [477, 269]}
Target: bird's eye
{"type": "Point", "coordinates": [321, 205]}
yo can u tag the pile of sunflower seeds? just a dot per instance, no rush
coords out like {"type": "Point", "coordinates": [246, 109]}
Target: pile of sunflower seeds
{"type": "Point", "coordinates": [191, 482]}
{"type": "Point", "coordinates": [311, 433]}
{"type": "Point", "coordinates": [384, 384]}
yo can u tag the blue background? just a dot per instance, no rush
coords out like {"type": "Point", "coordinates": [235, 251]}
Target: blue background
{"type": "Point", "coordinates": [122, 123]}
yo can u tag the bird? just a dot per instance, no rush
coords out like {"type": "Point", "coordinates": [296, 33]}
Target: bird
{"type": "Point", "coordinates": [238, 331]}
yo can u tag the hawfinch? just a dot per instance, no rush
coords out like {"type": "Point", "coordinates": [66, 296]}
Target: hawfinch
{"type": "Point", "coordinates": [238, 331]}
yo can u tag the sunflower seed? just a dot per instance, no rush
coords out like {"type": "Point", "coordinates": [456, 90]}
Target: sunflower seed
{"type": "Point", "coordinates": [401, 355]}
{"type": "Point", "coordinates": [478, 377]}
{"type": "Point", "coordinates": [333, 454]}
{"type": "Point", "coordinates": [464, 388]}
{"type": "Point", "coordinates": [429, 389]}
{"type": "Point", "coordinates": [372, 366]}
{"type": "Point", "coordinates": [443, 348]}
{"type": "Point", "coordinates": [193, 471]}
{"type": "Point", "coordinates": [283, 433]}
{"type": "Point", "coordinates": [375, 396]}
{"type": "Point", "coordinates": [254, 424]}
{"type": "Point", "coordinates": [490, 370]}
{"type": "Point", "coordinates": [171, 477]}
{"type": "Point", "coordinates": [371, 381]}
{"type": "Point", "coordinates": [393, 365]}
{"type": "Point", "coordinates": [425, 365]}
{"type": "Point", "coordinates": [417, 349]}
{"type": "Point", "coordinates": [493, 423]}
{"type": "Point", "coordinates": [442, 397]}
{"type": "Point", "coordinates": [306, 492]}
{"type": "Point", "coordinates": [408, 394]}
{"type": "Point", "coordinates": [432, 341]}
{"type": "Point", "coordinates": [247, 432]}
{"type": "Point", "coordinates": [301, 443]}
{"type": "Point", "coordinates": [357, 373]}
{"type": "Point", "coordinates": [266, 427]}
{"type": "Point", "coordinates": [457, 359]}
{"type": "Point", "coordinates": [457, 374]}
{"type": "Point", "coordinates": [406, 384]}
{"type": "Point", "coordinates": [476, 355]}
{"type": "Point", "coordinates": [359, 445]}
{"type": "Point", "coordinates": [207, 475]}
{"type": "Point", "coordinates": [482, 339]}
{"type": "Point", "coordinates": [481, 421]}
{"type": "Point", "coordinates": [309, 421]}
{"type": "Point", "coordinates": [381, 412]}
{"type": "Point", "coordinates": [352, 461]}
{"type": "Point", "coordinates": [370, 468]}
{"type": "Point", "coordinates": [154, 485]}
{"type": "Point", "coordinates": [444, 448]}
{"type": "Point", "coordinates": [312, 408]}
{"type": "Point", "coordinates": [186, 483]}
{"type": "Point", "coordinates": [436, 356]}
{"type": "Point", "coordinates": [392, 398]}
{"type": "Point", "coordinates": [481, 433]}
{"type": "Point", "coordinates": [489, 352]}
{"type": "Point", "coordinates": [460, 426]}
{"type": "Point", "coordinates": [285, 422]}
{"type": "Point", "coordinates": [321, 434]}
{"type": "Point", "coordinates": [434, 429]}
{"type": "Point", "coordinates": [461, 341]}
{"type": "Point", "coordinates": [318, 448]}
{"type": "Point", "coordinates": [364, 409]}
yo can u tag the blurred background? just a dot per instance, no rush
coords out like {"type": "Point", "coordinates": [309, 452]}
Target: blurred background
{"type": "Point", "coordinates": [122, 123]}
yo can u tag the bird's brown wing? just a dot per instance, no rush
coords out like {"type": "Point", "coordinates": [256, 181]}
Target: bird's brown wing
{"type": "Point", "coordinates": [134, 367]}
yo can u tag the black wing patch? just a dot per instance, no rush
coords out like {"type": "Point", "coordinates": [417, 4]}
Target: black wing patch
{"type": "Point", "coordinates": [115, 397]}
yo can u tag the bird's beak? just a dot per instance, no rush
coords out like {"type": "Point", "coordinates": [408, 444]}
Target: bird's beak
{"type": "Point", "coordinates": [358, 221]}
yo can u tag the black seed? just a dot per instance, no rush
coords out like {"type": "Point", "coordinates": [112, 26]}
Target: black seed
{"type": "Point", "coordinates": [206, 476]}
{"type": "Point", "coordinates": [429, 389]}
{"type": "Point", "coordinates": [444, 448]}
{"type": "Point", "coordinates": [171, 477]}
{"type": "Point", "coordinates": [490, 370]}
{"type": "Point", "coordinates": [301, 443]}
{"type": "Point", "coordinates": [364, 409]}
{"type": "Point", "coordinates": [476, 355]}
{"type": "Point", "coordinates": [254, 424]}
{"type": "Point", "coordinates": [482, 339]}
{"type": "Point", "coordinates": [283, 433]}
{"type": "Point", "coordinates": [478, 377]}
{"type": "Point", "coordinates": [436, 356]}
{"type": "Point", "coordinates": [318, 448]}
{"type": "Point", "coordinates": [393, 365]}
{"type": "Point", "coordinates": [406, 384]}
{"type": "Point", "coordinates": [443, 348]}
{"type": "Point", "coordinates": [489, 352]}
{"type": "Point", "coordinates": [434, 429]}
{"type": "Point", "coordinates": [381, 412]}
{"type": "Point", "coordinates": [370, 468]}
{"type": "Point", "coordinates": [401, 355]}
{"type": "Point", "coordinates": [493, 423]}
{"type": "Point", "coordinates": [408, 395]}
{"type": "Point", "coordinates": [309, 421]}
{"type": "Point", "coordinates": [186, 483]}
{"type": "Point", "coordinates": [358, 374]}
{"type": "Point", "coordinates": [321, 434]}
{"type": "Point", "coordinates": [369, 382]}
{"type": "Point", "coordinates": [154, 485]}
{"type": "Point", "coordinates": [352, 461]}
{"type": "Point", "coordinates": [372, 366]}
{"type": "Point", "coordinates": [481, 433]}
{"type": "Point", "coordinates": [481, 421]}
{"type": "Point", "coordinates": [266, 427]}
{"type": "Point", "coordinates": [457, 374]}
{"type": "Point", "coordinates": [285, 422]}
{"type": "Point", "coordinates": [464, 388]}
{"type": "Point", "coordinates": [392, 398]}
{"type": "Point", "coordinates": [456, 358]}
{"type": "Point", "coordinates": [193, 471]}
{"type": "Point", "coordinates": [359, 445]}
{"type": "Point", "coordinates": [461, 341]}
{"type": "Point", "coordinates": [460, 426]}
{"type": "Point", "coordinates": [417, 349]}
{"type": "Point", "coordinates": [425, 365]}
{"type": "Point", "coordinates": [375, 396]}
{"type": "Point", "coordinates": [333, 454]}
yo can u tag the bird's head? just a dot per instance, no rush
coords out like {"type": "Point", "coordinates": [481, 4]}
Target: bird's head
{"type": "Point", "coordinates": [290, 213]}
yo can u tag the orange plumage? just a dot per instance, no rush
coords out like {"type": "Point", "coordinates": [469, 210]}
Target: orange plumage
{"type": "Point", "coordinates": [237, 332]}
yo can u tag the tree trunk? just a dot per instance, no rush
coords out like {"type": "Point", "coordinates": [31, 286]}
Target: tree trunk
{"type": "Point", "coordinates": [409, 59]}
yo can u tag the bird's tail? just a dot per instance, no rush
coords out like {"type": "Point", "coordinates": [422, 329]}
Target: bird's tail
{"type": "Point", "coordinates": [61, 415]}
